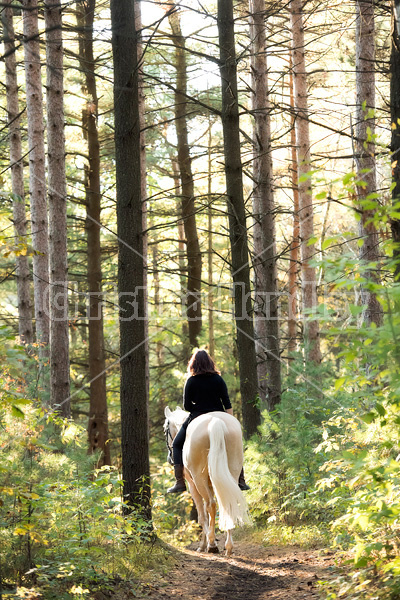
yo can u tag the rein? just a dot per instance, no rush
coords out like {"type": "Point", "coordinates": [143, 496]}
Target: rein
{"type": "Point", "coordinates": [168, 439]}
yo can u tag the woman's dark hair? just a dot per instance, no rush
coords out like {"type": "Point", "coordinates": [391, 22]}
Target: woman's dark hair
{"type": "Point", "coordinates": [201, 363]}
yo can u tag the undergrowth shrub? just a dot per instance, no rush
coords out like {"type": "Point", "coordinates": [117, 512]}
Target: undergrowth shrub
{"type": "Point", "coordinates": [63, 524]}
{"type": "Point", "coordinates": [362, 457]}
{"type": "Point", "coordinates": [57, 512]}
{"type": "Point", "coordinates": [281, 462]}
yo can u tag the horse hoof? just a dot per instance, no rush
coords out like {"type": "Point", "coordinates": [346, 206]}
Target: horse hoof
{"type": "Point", "coordinates": [213, 550]}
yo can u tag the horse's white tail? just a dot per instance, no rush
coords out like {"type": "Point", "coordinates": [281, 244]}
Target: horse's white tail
{"type": "Point", "coordinates": [231, 502]}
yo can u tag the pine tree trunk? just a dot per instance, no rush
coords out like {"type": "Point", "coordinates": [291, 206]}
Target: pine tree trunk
{"type": "Point", "coordinates": [187, 187]}
{"type": "Point", "coordinates": [395, 121]}
{"type": "Point", "coordinates": [294, 246]}
{"type": "Point", "coordinates": [37, 174]}
{"type": "Point", "coordinates": [365, 149]}
{"type": "Point", "coordinates": [57, 195]}
{"type": "Point", "coordinates": [134, 404]}
{"type": "Point", "coordinates": [265, 268]}
{"type": "Point", "coordinates": [25, 325]}
{"type": "Point", "coordinates": [237, 221]}
{"type": "Point", "coordinates": [186, 350]}
{"type": "Point", "coordinates": [160, 355]}
{"type": "Point", "coordinates": [143, 180]}
{"type": "Point", "coordinates": [210, 296]}
{"type": "Point", "coordinates": [98, 410]}
{"type": "Point", "coordinates": [306, 216]}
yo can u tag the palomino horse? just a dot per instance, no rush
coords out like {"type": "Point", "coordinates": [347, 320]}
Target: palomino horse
{"type": "Point", "coordinates": [213, 458]}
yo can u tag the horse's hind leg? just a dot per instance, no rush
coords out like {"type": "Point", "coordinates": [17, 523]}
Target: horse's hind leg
{"type": "Point", "coordinates": [202, 516]}
{"type": "Point", "coordinates": [212, 510]}
{"type": "Point", "coordinates": [228, 543]}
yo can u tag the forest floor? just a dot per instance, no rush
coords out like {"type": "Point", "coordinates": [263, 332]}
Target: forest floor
{"type": "Point", "coordinates": [253, 572]}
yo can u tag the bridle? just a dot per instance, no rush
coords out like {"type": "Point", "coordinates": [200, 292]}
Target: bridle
{"type": "Point", "coordinates": [168, 440]}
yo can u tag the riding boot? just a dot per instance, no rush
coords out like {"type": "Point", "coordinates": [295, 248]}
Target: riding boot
{"type": "Point", "coordinates": [179, 486]}
{"type": "Point", "coordinates": [242, 483]}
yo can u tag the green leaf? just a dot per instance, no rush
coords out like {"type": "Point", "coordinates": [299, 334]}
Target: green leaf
{"type": "Point", "coordinates": [339, 382]}
{"type": "Point", "coordinates": [355, 309]}
{"type": "Point", "coordinates": [380, 410]}
{"type": "Point", "coordinates": [369, 417]}
{"type": "Point", "coordinates": [348, 177]}
{"type": "Point", "coordinates": [17, 412]}
{"type": "Point", "coordinates": [312, 240]}
{"type": "Point", "coordinates": [326, 243]}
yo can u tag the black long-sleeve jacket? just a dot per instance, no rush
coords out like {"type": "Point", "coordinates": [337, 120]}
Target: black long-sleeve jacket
{"type": "Point", "coordinates": [205, 393]}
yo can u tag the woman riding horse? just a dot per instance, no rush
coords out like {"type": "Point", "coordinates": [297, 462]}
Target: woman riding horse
{"type": "Point", "coordinates": [205, 391]}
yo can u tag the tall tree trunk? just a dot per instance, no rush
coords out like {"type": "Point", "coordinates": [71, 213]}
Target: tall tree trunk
{"type": "Point", "coordinates": [57, 194]}
{"type": "Point", "coordinates": [98, 410]}
{"type": "Point", "coordinates": [37, 173]}
{"type": "Point", "coordinates": [294, 246]}
{"type": "Point", "coordinates": [186, 351]}
{"type": "Point", "coordinates": [306, 216]}
{"type": "Point", "coordinates": [265, 268]}
{"type": "Point", "coordinates": [211, 335]}
{"type": "Point", "coordinates": [25, 325]}
{"type": "Point", "coordinates": [187, 187]}
{"type": "Point", "coordinates": [134, 404]}
{"type": "Point", "coordinates": [395, 121]}
{"type": "Point", "coordinates": [143, 179]}
{"type": "Point", "coordinates": [237, 221]}
{"type": "Point", "coordinates": [160, 355]}
{"type": "Point", "coordinates": [365, 149]}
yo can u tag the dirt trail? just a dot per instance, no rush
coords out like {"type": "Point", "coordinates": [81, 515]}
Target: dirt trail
{"type": "Point", "coordinates": [254, 572]}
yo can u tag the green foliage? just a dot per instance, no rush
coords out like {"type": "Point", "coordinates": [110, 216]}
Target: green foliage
{"type": "Point", "coordinates": [282, 464]}
{"type": "Point", "coordinates": [63, 525]}
{"type": "Point", "coordinates": [362, 448]}
{"type": "Point", "coordinates": [304, 536]}
{"type": "Point", "coordinates": [171, 512]}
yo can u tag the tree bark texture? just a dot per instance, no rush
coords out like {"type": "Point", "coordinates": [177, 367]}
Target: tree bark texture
{"type": "Point", "coordinates": [57, 203]}
{"type": "Point", "coordinates": [143, 178]}
{"type": "Point", "coordinates": [237, 221]}
{"type": "Point", "coordinates": [25, 324]}
{"type": "Point", "coordinates": [365, 150]}
{"type": "Point", "coordinates": [186, 346]}
{"type": "Point", "coordinates": [160, 354]}
{"type": "Point", "coordinates": [264, 261]}
{"type": "Point", "coordinates": [306, 214]}
{"type": "Point", "coordinates": [395, 121]}
{"type": "Point", "coordinates": [37, 174]}
{"type": "Point", "coordinates": [210, 296]}
{"type": "Point", "coordinates": [194, 262]}
{"type": "Point", "coordinates": [134, 405]}
{"type": "Point", "coordinates": [98, 411]}
{"type": "Point", "coordinates": [295, 243]}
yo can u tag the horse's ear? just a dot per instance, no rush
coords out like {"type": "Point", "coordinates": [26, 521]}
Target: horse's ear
{"type": "Point", "coordinates": [167, 412]}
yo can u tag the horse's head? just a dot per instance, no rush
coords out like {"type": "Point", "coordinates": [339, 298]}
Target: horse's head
{"type": "Point", "coordinates": [173, 422]}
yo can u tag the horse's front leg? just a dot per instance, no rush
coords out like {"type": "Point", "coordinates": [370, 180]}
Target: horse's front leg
{"type": "Point", "coordinates": [212, 510]}
{"type": "Point", "coordinates": [228, 543]}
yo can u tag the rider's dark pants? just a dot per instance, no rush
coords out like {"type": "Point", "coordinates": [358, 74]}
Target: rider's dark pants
{"type": "Point", "coordinates": [179, 440]}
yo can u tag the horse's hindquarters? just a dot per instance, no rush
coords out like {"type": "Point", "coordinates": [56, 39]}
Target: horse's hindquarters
{"type": "Point", "coordinates": [213, 457]}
